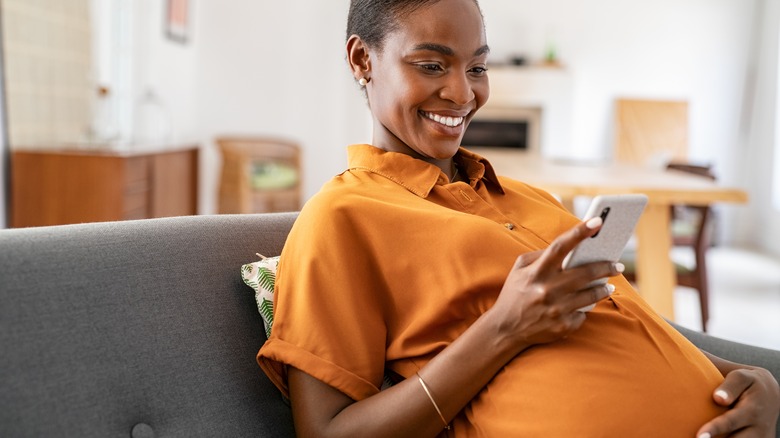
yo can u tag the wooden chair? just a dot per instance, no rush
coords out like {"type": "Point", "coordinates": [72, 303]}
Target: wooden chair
{"type": "Point", "coordinates": [691, 228]}
{"type": "Point", "coordinates": [651, 132]}
{"type": "Point", "coordinates": [259, 175]}
{"type": "Point", "coordinates": [655, 133]}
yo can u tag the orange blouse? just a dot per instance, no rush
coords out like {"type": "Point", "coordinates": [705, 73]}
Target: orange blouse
{"type": "Point", "coordinates": [390, 263]}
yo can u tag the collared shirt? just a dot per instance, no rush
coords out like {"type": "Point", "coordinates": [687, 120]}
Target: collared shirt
{"type": "Point", "coordinates": [390, 262]}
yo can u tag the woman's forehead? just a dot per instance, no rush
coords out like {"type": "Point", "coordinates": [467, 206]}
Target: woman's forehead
{"type": "Point", "coordinates": [456, 24]}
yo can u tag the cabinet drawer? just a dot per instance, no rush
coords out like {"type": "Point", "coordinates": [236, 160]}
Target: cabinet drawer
{"type": "Point", "coordinates": [136, 205]}
{"type": "Point", "coordinates": [55, 187]}
{"type": "Point", "coordinates": [136, 170]}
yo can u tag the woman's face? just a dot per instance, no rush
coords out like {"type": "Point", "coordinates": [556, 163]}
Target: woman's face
{"type": "Point", "coordinates": [429, 79]}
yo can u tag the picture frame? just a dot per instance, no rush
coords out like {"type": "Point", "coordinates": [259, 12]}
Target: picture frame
{"type": "Point", "coordinates": [177, 20]}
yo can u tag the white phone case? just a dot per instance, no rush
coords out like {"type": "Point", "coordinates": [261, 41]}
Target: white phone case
{"type": "Point", "coordinates": [620, 214]}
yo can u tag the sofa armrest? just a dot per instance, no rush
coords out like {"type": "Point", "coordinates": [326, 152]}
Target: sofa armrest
{"type": "Point", "coordinates": [736, 352]}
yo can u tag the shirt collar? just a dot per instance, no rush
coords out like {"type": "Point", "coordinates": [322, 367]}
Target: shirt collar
{"type": "Point", "coordinates": [418, 176]}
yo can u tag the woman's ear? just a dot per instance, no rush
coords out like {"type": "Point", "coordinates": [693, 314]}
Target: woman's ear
{"type": "Point", "coordinates": [358, 58]}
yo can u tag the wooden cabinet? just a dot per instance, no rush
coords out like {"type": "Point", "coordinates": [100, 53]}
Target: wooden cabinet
{"type": "Point", "coordinates": [72, 186]}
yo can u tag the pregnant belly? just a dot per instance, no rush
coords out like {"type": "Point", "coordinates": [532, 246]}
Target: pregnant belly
{"type": "Point", "coordinates": [624, 373]}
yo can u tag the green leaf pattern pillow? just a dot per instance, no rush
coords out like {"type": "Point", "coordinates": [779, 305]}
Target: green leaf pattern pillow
{"type": "Point", "coordinates": [261, 276]}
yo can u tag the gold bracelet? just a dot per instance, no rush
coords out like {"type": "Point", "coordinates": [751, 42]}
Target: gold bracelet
{"type": "Point", "coordinates": [430, 397]}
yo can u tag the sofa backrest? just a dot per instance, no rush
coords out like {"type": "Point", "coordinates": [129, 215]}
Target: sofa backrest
{"type": "Point", "coordinates": [145, 329]}
{"type": "Point", "coordinates": [139, 328]}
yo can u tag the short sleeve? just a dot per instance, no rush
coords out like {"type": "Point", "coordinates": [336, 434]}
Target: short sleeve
{"type": "Point", "coordinates": [328, 319]}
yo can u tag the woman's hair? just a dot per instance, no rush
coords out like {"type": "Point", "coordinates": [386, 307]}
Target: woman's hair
{"type": "Point", "coordinates": [373, 20]}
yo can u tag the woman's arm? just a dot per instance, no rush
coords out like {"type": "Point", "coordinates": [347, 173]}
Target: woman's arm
{"type": "Point", "coordinates": [754, 397]}
{"type": "Point", "coordinates": [453, 377]}
{"type": "Point", "coordinates": [536, 305]}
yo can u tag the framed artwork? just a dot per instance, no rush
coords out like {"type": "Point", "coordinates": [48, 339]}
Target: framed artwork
{"type": "Point", "coordinates": [177, 20]}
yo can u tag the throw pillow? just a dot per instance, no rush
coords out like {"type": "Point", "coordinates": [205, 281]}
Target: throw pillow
{"type": "Point", "coordinates": [261, 276]}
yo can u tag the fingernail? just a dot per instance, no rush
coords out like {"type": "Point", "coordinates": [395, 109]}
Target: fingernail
{"type": "Point", "coordinates": [610, 288]}
{"type": "Point", "coordinates": [594, 222]}
{"type": "Point", "coordinates": [620, 267]}
{"type": "Point", "coordinates": [705, 435]}
{"type": "Point", "coordinates": [723, 395]}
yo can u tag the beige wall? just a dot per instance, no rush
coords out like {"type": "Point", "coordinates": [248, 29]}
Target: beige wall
{"type": "Point", "coordinates": [48, 71]}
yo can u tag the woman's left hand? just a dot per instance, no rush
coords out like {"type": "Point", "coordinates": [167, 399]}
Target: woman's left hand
{"type": "Point", "coordinates": [754, 397]}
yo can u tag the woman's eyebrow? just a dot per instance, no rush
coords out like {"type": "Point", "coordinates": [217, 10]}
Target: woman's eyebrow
{"type": "Point", "coordinates": [433, 47]}
{"type": "Point", "coordinates": [444, 50]}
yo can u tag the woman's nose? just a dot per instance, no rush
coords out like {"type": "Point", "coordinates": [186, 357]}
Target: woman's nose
{"type": "Point", "coordinates": [458, 89]}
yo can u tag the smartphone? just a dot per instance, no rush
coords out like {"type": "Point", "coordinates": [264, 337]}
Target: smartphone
{"type": "Point", "coordinates": [619, 214]}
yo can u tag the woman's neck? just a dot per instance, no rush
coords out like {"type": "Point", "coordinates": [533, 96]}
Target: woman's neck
{"type": "Point", "coordinates": [447, 165]}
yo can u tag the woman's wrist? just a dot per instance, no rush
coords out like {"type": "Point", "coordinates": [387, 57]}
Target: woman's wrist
{"type": "Point", "coordinates": [500, 335]}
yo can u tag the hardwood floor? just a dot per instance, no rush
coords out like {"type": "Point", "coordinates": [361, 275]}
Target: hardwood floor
{"type": "Point", "coordinates": [744, 297]}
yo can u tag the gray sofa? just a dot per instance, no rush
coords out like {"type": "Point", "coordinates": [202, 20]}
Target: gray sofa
{"type": "Point", "coordinates": [145, 329]}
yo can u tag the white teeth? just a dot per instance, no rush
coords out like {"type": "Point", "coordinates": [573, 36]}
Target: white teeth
{"type": "Point", "coordinates": [448, 121]}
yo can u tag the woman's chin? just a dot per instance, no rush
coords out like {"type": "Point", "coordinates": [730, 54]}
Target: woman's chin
{"type": "Point", "coordinates": [439, 150]}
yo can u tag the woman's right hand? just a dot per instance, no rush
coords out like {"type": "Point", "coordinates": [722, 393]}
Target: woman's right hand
{"type": "Point", "coordinates": [539, 301]}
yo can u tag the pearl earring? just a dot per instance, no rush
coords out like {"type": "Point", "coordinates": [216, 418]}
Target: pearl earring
{"type": "Point", "coordinates": [363, 82]}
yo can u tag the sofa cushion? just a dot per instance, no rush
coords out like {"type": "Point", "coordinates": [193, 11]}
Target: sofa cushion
{"type": "Point", "coordinates": [108, 328]}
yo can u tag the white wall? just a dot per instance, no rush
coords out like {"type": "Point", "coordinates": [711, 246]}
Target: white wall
{"type": "Point", "coordinates": [759, 225]}
{"type": "Point", "coordinates": [278, 68]}
{"type": "Point", "coordinates": [166, 67]}
{"type": "Point", "coordinates": [696, 50]}
{"type": "Point", "coordinates": [679, 49]}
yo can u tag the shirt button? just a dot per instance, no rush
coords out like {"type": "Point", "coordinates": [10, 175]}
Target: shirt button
{"type": "Point", "coordinates": [509, 226]}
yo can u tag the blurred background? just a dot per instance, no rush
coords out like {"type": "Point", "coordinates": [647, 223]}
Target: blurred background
{"type": "Point", "coordinates": [127, 77]}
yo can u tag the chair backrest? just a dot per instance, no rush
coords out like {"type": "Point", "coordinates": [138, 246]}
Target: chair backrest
{"type": "Point", "coordinates": [651, 132]}
{"type": "Point", "coordinates": [259, 175]}
{"type": "Point", "coordinates": [698, 236]}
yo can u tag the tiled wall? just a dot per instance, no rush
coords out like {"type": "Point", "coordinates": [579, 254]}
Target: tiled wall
{"type": "Point", "coordinates": [48, 62]}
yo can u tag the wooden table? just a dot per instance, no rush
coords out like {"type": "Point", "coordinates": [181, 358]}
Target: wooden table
{"type": "Point", "coordinates": [568, 180]}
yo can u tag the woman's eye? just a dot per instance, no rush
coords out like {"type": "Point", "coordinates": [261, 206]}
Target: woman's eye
{"type": "Point", "coordinates": [479, 70]}
{"type": "Point", "coordinates": [431, 67]}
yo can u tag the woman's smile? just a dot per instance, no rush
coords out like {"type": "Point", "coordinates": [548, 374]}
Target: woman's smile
{"type": "Point", "coordinates": [448, 121]}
